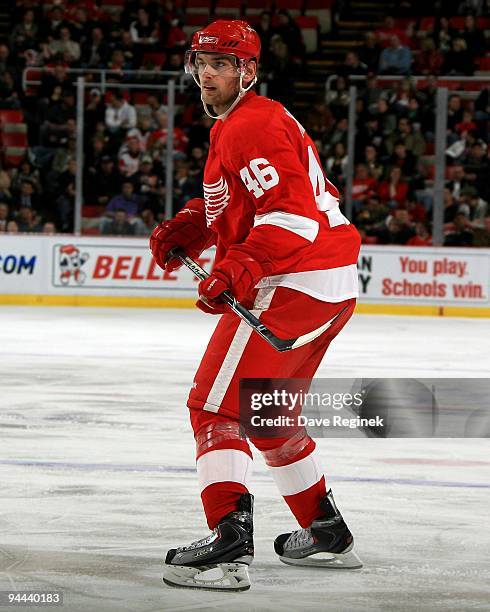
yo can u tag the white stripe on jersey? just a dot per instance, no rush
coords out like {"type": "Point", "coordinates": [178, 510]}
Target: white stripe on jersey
{"type": "Point", "coordinates": [303, 226]}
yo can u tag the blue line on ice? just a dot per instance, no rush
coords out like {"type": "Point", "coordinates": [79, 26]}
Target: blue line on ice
{"type": "Point", "coordinates": [118, 467]}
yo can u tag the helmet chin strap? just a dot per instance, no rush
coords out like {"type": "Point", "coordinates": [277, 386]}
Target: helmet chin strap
{"type": "Point", "coordinates": [242, 91]}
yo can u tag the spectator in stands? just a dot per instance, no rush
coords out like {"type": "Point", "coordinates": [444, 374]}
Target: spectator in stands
{"type": "Point", "coordinates": [127, 51]}
{"type": "Point", "coordinates": [144, 34]}
{"type": "Point", "coordinates": [372, 94]}
{"type": "Point", "coordinates": [394, 190]}
{"type": "Point", "coordinates": [60, 122]}
{"type": "Point", "coordinates": [290, 34]}
{"type": "Point", "coordinates": [12, 227]}
{"type": "Point", "coordinates": [119, 225]}
{"type": "Point", "coordinates": [451, 206]}
{"type": "Point", "coordinates": [395, 59]}
{"type": "Point", "coordinates": [375, 169]}
{"type": "Point", "coordinates": [473, 37]}
{"type": "Point", "coordinates": [129, 157]}
{"type": "Point", "coordinates": [473, 206]}
{"type": "Point", "coordinates": [395, 232]}
{"type": "Point", "coordinates": [176, 39]}
{"type": "Point", "coordinates": [151, 109]}
{"type": "Point", "coordinates": [120, 116]}
{"type": "Point", "coordinates": [337, 97]}
{"type": "Point", "coordinates": [482, 105]}
{"type": "Point", "coordinates": [96, 50]}
{"type": "Point", "coordinates": [460, 233]}
{"type": "Point", "coordinates": [458, 182]}
{"type": "Point", "coordinates": [369, 52]}
{"type": "Point", "coordinates": [422, 236]}
{"type": "Point", "coordinates": [442, 34]}
{"type": "Point", "coordinates": [353, 65]}
{"type": "Point", "coordinates": [103, 183]}
{"type": "Point", "coordinates": [458, 61]}
{"type": "Point", "coordinates": [25, 172]}
{"type": "Point", "coordinates": [7, 62]}
{"type": "Point", "coordinates": [149, 222]}
{"type": "Point", "coordinates": [337, 164]}
{"type": "Point", "coordinates": [94, 111]}
{"type": "Point", "coordinates": [387, 31]}
{"type": "Point", "coordinates": [53, 24]}
{"type": "Point", "coordinates": [146, 182]}
{"type": "Point", "coordinates": [403, 159]}
{"type": "Point", "coordinates": [413, 139]}
{"type": "Point", "coordinates": [187, 185]}
{"type": "Point", "coordinates": [481, 235]}
{"type": "Point", "coordinates": [49, 228]}
{"type": "Point", "coordinates": [363, 186]}
{"type": "Point", "coordinates": [429, 60]}
{"type": "Point", "coordinates": [27, 219]}
{"type": "Point", "coordinates": [8, 91]}
{"type": "Point", "coordinates": [53, 84]}
{"type": "Point", "coordinates": [27, 197]}
{"type": "Point", "coordinates": [477, 167]}
{"type": "Point", "coordinates": [339, 133]}
{"type": "Point", "coordinates": [127, 201]}
{"type": "Point", "coordinates": [282, 71]}
{"type": "Point", "coordinates": [63, 47]}
{"type": "Point", "coordinates": [81, 26]}
{"type": "Point", "coordinates": [467, 124]}
{"type": "Point", "coordinates": [266, 31]}
{"type": "Point", "coordinates": [65, 201]}
{"type": "Point", "coordinates": [372, 216]}
{"type": "Point", "coordinates": [157, 141]}
{"type": "Point", "coordinates": [4, 215]}
{"type": "Point", "coordinates": [319, 119]}
{"type": "Point", "coordinates": [142, 133]}
{"type": "Point", "coordinates": [416, 211]}
{"type": "Point", "coordinates": [386, 118]}
{"type": "Point", "coordinates": [25, 35]}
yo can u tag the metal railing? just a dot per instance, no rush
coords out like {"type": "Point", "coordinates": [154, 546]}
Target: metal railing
{"type": "Point", "coordinates": [102, 75]}
{"type": "Point", "coordinates": [414, 79]}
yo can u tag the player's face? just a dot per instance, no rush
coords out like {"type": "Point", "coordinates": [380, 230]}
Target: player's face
{"type": "Point", "coordinates": [219, 78]}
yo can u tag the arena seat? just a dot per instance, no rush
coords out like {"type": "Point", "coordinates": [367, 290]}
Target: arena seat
{"type": "Point", "coordinates": [230, 7]}
{"type": "Point", "coordinates": [322, 10]}
{"type": "Point", "coordinates": [11, 116]}
{"type": "Point", "coordinates": [12, 156]}
{"type": "Point", "coordinates": [309, 31]}
{"type": "Point", "coordinates": [157, 59]}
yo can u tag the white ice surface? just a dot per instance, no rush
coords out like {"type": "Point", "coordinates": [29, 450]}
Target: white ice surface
{"type": "Point", "coordinates": [97, 469]}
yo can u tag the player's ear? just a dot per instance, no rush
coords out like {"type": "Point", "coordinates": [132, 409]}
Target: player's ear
{"type": "Point", "coordinates": [250, 71]}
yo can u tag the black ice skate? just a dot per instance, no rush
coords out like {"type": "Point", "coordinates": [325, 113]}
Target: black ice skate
{"type": "Point", "coordinates": [326, 543]}
{"type": "Point", "coordinates": [220, 561]}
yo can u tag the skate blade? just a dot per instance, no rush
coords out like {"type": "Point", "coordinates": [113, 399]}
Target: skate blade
{"type": "Point", "coordinates": [347, 560]}
{"type": "Point", "coordinates": [220, 577]}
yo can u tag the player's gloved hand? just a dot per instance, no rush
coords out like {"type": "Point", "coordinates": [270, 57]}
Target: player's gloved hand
{"type": "Point", "coordinates": [186, 230]}
{"type": "Point", "coordinates": [239, 272]}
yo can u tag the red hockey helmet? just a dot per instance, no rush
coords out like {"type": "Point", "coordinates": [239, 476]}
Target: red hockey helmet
{"type": "Point", "coordinates": [235, 38]}
{"type": "Point", "coordinates": [228, 37]}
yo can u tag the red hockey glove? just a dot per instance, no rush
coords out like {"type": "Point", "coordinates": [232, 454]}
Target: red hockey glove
{"type": "Point", "coordinates": [239, 272]}
{"type": "Point", "coordinates": [186, 230]}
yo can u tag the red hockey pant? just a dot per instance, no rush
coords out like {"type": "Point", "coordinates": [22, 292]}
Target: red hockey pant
{"type": "Point", "coordinates": [235, 351]}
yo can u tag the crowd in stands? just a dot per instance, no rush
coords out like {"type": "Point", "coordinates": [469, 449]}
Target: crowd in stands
{"type": "Point", "coordinates": [126, 131]}
{"type": "Point", "coordinates": [393, 187]}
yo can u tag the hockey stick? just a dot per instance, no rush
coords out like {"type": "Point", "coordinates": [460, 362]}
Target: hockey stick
{"type": "Point", "coordinates": [249, 318]}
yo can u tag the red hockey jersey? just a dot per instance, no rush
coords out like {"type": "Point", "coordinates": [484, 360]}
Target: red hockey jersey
{"type": "Point", "coordinates": [264, 185]}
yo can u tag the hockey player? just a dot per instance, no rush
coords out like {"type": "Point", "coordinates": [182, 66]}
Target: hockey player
{"type": "Point", "coordinates": [284, 249]}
